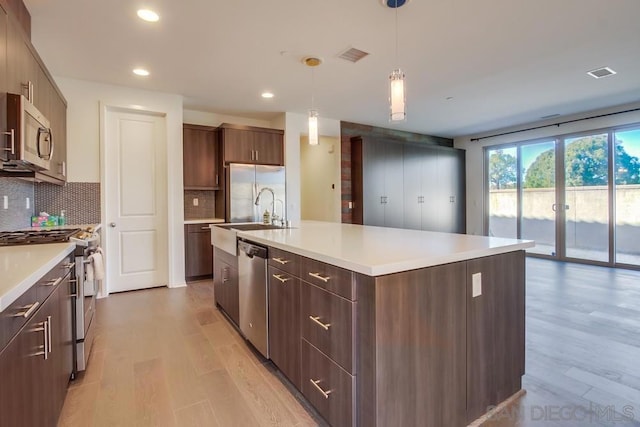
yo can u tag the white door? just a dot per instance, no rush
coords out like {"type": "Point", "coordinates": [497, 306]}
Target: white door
{"type": "Point", "coordinates": [135, 191]}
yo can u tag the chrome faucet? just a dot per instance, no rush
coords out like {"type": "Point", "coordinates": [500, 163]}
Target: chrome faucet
{"type": "Point", "coordinates": [273, 204]}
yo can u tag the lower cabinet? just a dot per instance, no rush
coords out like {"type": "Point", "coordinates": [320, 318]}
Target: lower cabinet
{"type": "Point", "coordinates": [36, 365]}
{"type": "Point", "coordinates": [198, 252]}
{"type": "Point", "coordinates": [414, 348]}
{"type": "Point", "coordinates": [284, 323]}
{"type": "Point", "coordinates": [329, 388]}
{"type": "Point", "coordinates": [225, 284]}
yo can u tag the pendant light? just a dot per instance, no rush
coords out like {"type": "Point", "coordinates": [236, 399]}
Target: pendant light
{"type": "Point", "coordinates": [312, 62]}
{"type": "Point", "coordinates": [397, 97]}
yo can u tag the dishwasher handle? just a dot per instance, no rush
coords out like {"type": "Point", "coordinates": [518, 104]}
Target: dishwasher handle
{"type": "Point", "coordinates": [252, 250]}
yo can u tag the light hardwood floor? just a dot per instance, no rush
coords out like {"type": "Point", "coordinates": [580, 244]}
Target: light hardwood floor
{"type": "Point", "coordinates": [167, 357]}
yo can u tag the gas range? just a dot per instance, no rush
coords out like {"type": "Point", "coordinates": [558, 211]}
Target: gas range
{"type": "Point", "coordinates": [82, 237]}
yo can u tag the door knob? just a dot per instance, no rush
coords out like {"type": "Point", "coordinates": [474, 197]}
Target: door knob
{"type": "Point", "coordinates": [112, 224]}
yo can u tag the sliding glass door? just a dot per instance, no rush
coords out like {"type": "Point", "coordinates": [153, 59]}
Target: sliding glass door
{"type": "Point", "coordinates": [585, 210]}
{"type": "Point", "coordinates": [577, 196]}
{"type": "Point", "coordinates": [538, 195]}
{"type": "Point", "coordinates": [627, 196]}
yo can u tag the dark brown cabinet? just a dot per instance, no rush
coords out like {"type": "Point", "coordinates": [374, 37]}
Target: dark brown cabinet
{"type": "Point", "coordinates": [4, 139]}
{"type": "Point", "coordinates": [36, 365]}
{"type": "Point", "coordinates": [198, 251]}
{"type": "Point", "coordinates": [284, 323]}
{"type": "Point", "coordinates": [200, 158]}
{"type": "Point", "coordinates": [253, 145]}
{"type": "Point", "coordinates": [26, 74]}
{"type": "Point", "coordinates": [495, 331]}
{"type": "Point", "coordinates": [225, 284]}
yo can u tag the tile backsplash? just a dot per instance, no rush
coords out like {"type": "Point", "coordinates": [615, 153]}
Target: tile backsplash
{"type": "Point", "coordinates": [17, 215]}
{"type": "Point", "coordinates": [81, 200]}
{"type": "Point", "coordinates": [206, 204]}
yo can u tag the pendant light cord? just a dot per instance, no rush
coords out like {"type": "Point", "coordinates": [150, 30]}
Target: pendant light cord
{"type": "Point", "coordinates": [313, 83]}
{"type": "Point", "coordinates": [396, 32]}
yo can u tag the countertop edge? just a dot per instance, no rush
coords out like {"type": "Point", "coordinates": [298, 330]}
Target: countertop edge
{"type": "Point", "coordinates": [390, 268]}
{"type": "Point", "coordinates": [204, 221]}
{"type": "Point", "coordinates": [11, 296]}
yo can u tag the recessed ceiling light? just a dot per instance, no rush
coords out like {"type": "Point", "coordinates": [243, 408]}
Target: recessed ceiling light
{"type": "Point", "coordinates": [148, 15]}
{"type": "Point", "coordinates": [140, 72]}
{"type": "Point", "coordinates": [601, 72]}
{"type": "Point", "coordinates": [267, 95]}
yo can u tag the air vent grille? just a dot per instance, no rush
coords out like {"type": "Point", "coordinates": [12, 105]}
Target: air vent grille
{"type": "Point", "coordinates": [601, 72]}
{"type": "Point", "coordinates": [353, 55]}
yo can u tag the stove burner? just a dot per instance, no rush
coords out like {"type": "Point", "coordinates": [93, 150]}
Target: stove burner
{"type": "Point", "coordinates": [9, 238]}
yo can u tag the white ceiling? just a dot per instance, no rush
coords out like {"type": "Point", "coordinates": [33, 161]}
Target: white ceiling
{"type": "Point", "coordinates": [504, 62]}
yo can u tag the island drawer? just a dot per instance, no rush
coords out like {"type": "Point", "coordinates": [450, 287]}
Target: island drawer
{"type": "Point", "coordinates": [24, 307]}
{"type": "Point", "coordinates": [284, 260]}
{"type": "Point", "coordinates": [328, 322]}
{"type": "Point", "coordinates": [329, 388]}
{"type": "Point", "coordinates": [329, 277]}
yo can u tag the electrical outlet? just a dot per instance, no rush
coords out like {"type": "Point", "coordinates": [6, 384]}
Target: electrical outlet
{"type": "Point", "coordinates": [28, 203]}
{"type": "Point", "coordinates": [350, 205]}
{"type": "Point", "coordinates": [5, 202]}
{"type": "Point", "coordinates": [196, 202]}
{"type": "Point", "coordinates": [476, 288]}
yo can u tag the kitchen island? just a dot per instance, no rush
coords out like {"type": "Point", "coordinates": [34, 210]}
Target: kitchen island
{"type": "Point", "coordinates": [380, 326]}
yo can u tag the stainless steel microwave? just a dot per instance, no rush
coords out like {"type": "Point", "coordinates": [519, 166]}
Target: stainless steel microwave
{"type": "Point", "coordinates": [29, 141]}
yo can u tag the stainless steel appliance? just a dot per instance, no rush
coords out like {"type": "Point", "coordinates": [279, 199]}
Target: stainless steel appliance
{"type": "Point", "coordinates": [253, 295]}
{"type": "Point", "coordinates": [29, 144]}
{"type": "Point", "coordinates": [246, 182]}
{"type": "Point", "coordinates": [85, 290]}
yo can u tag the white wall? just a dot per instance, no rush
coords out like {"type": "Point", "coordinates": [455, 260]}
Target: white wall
{"type": "Point", "coordinates": [475, 160]}
{"type": "Point", "coordinates": [296, 126]}
{"type": "Point", "coordinates": [212, 119]}
{"type": "Point", "coordinates": [83, 147]}
{"type": "Point", "coordinates": [320, 179]}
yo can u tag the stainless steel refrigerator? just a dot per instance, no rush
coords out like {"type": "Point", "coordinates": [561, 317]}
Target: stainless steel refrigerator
{"type": "Point", "coordinates": [245, 182]}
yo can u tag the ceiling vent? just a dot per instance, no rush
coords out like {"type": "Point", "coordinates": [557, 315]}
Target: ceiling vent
{"type": "Point", "coordinates": [353, 55]}
{"type": "Point", "coordinates": [601, 72]}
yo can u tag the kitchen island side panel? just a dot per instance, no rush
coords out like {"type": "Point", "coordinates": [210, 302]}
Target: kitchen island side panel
{"type": "Point", "coordinates": [412, 363]}
{"type": "Point", "coordinates": [495, 331]}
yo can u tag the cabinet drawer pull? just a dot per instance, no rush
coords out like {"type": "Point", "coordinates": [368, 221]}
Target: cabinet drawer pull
{"type": "Point", "coordinates": [45, 332]}
{"type": "Point", "coordinates": [205, 228]}
{"type": "Point", "coordinates": [281, 261]}
{"type": "Point", "coordinates": [316, 320]}
{"type": "Point", "coordinates": [318, 276]}
{"type": "Point", "coordinates": [324, 393]}
{"type": "Point", "coordinates": [68, 265]}
{"type": "Point", "coordinates": [48, 334]}
{"type": "Point", "coordinates": [28, 310]}
{"type": "Point", "coordinates": [12, 134]}
{"type": "Point", "coordinates": [53, 282]}
{"type": "Point", "coordinates": [280, 278]}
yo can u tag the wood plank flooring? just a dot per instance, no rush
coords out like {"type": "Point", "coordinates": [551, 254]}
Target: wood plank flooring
{"type": "Point", "coordinates": [168, 357]}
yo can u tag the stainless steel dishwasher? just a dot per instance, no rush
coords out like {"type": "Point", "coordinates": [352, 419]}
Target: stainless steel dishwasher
{"type": "Point", "coordinates": [253, 295]}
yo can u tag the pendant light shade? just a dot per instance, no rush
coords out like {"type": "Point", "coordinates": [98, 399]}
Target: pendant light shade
{"type": "Point", "coordinates": [397, 100]}
{"type": "Point", "coordinates": [313, 127]}
{"type": "Point", "coordinates": [312, 62]}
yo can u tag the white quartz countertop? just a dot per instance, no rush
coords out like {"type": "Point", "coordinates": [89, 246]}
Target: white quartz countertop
{"type": "Point", "coordinates": [376, 251]}
{"type": "Point", "coordinates": [204, 221]}
{"type": "Point", "coordinates": [22, 266]}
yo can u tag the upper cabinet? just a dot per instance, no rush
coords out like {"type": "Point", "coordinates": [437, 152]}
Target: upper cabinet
{"type": "Point", "coordinates": [200, 158]}
{"type": "Point", "coordinates": [253, 145]}
{"type": "Point", "coordinates": [3, 84]}
{"type": "Point", "coordinates": [27, 75]}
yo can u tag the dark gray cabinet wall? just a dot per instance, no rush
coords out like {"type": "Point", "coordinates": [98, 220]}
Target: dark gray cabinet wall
{"type": "Point", "coordinates": [382, 177]}
{"type": "Point", "coordinates": [3, 84]}
{"type": "Point", "coordinates": [406, 185]}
